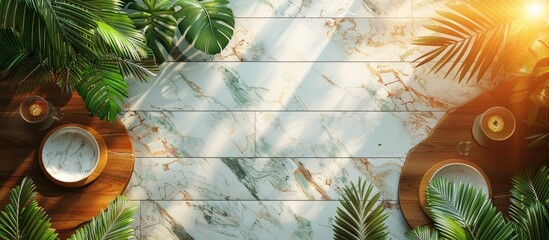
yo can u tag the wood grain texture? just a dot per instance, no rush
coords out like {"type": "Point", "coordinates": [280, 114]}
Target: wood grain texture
{"type": "Point", "coordinates": [498, 162]}
{"type": "Point", "coordinates": [67, 207]}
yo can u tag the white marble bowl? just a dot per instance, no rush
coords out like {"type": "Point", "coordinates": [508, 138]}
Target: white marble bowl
{"type": "Point", "coordinates": [455, 170]}
{"type": "Point", "coordinates": [70, 155]}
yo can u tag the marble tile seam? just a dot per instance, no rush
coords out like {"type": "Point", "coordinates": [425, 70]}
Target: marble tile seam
{"type": "Point", "coordinates": [253, 200]}
{"type": "Point", "coordinates": [164, 157]}
{"type": "Point", "coordinates": [284, 111]}
{"type": "Point", "coordinates": [332, 17]}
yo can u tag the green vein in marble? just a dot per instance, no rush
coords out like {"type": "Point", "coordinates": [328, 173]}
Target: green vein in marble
{"type": "Point", "coordinates": [241, 174]}
{"type": "Point", "coordinates": [304, 229]}
{"type": "Point", "coordinates": [241, 93]}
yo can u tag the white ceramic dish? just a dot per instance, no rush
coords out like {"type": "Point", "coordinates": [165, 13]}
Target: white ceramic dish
{"type": "Point", "coordinates": [70, 154]}
{"type": "Point", "coordinates": [460, 172]}
{"type": "Point", "coordinates": [455, 170]}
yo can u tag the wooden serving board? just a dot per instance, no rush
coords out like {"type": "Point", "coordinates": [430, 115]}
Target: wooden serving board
{"type": "Point", "coordinates": [499, 163]}
{"type": "Point", "coordinates": [67, 207]}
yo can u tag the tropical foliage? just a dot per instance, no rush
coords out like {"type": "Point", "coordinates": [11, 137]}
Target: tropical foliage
{"type": "Point", "coordinates": [93, 46]}
{"type": "Point", "coordinates": [87, 46]}
{"type": "Point", "coordinates": [459, 211]}
{"type": "Point", "coordinates": [207, 25]}
{"type": "Point", "coordinates": [361, 216]}
{"type": "Point", "coordinates": [463, 212]}
{"type": "Point", "coordinates": [509, 37]}
{"type": "Point", "coordinates": [23, 219]}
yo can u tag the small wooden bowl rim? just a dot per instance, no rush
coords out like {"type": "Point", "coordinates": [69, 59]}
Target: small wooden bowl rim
{"type": "Point", "coordinates": [98, 169]}
{"type": "Point", "coordinates": [431, 172]}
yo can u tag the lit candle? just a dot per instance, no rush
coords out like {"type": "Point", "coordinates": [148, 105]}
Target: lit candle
{"type": "Point", "coordinates": [35, 109]}
{"type": "Point", "coordinates": [496, 123]}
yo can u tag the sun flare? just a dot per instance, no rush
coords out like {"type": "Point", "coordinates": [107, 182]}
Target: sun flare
{"type": "Point", "coordinates": [535, 8]}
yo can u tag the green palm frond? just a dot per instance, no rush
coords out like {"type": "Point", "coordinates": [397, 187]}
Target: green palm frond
{"type": "Point", "coordinates": [141, 70]}
{"type": "Point", "coordinates": [360, 216]}
{"type": "Point", "coordinates": [470, 37]}
{"type": "Point", "coordinates": [22, 218]}
{"type": "Point", "coordinates": [207, 24]}
{"type": "Point", "coordinates": [529, 186]}
{"type": "Point", "coordinates": [454, 206]}
{"type": "Point", "coordinates": [103, 89]}
{"type": "Point", "coordinates": [422, 233]}
{"type": "Point", "coordinates": [485, 34]}
{"type": "Point", "coordinates": [90, 46]}
{"type": "Point", "coordinates": [112, 223]}
{"type": "Point", "coordinates": [532, 222]}
{"type": "Point", "coordinates": [155, 19]}
{"type": "Point", "coordinates": [13, 52]}
{"type": "Point", "coordinates": [529, 203]}
{"type": "Point", "coordinates": [41, 37]}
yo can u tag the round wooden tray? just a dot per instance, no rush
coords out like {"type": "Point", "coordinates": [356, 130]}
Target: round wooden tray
{"type": "Point", "coordinates": [98, 169]}
{"type": "Point", "coordinates": [68, 207]}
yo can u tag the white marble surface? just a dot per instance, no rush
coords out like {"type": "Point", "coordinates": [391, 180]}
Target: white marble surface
{"type": "Point", "coordinates": [257, 142]}
{"type": "Point", "coordinates": [316, 39]}
{"type": "Point", "coordinates": [259, 178]}
{"type": "Point", "coordinates": [249, 220]}
{"type": "Point", "coordinates": [341, 134]}
{"type": "Point", "coordinates": [301, 86]}
{"type": "Point", "coordinates": [191, 134]}
{"type": "Point", "coordinates": [70, 154]}
{"type": "Point", "coordinates": [321, 8]}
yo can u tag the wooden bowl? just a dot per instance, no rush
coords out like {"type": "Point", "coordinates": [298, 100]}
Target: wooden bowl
{"type": "Point", "coordinates": [72, 155]}
{"type": "Point", "coordinates": [455, 170]}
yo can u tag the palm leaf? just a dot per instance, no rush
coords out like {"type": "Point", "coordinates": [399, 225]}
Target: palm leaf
{"type": "Point", "coordinates": [155, 19]}
{"type": "Point", "coordinates": [360, 217]}
{"type": "Point", "coordinates": [13, 52]}
{"type": "Point", "coordinates": [422, 233]}
{"type": "Point", "coordinates": [22, 218]}
{"type": "Point", "coordinates": [471, 35]}
{"type": "Point", "coordinates": [103, 89]}
{"type": "Point", "coordinates": [532, 222]}
{"type": "Point", "coordinates": [529, 187]}
{"type": "Point", "coordinates": [458, 206]}
{"type": "Point", "coordinates": [207, 24]}
{"type": "Point", "coordinates": [112, 223]}
{"type": "Point", "coordinates": [540, 95]}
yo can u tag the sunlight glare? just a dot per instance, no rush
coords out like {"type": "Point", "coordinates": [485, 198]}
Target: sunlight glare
{"type": "Point", "coordinates": [535, 8]}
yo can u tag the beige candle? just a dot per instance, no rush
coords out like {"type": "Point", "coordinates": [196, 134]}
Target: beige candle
{"type": "Point", "coordinates": [496, 123]}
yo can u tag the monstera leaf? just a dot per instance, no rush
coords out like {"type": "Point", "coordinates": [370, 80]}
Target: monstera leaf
{"type": "Point", "coordinates": [155, 19]}
{"type": "Point", "coordinates": [207, 24]}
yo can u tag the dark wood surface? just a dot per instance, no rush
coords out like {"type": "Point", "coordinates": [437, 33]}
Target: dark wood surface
{"type": "Point", "coordinates": [499, 163]}
{"type": "Point", "coordinates": [67, 207]}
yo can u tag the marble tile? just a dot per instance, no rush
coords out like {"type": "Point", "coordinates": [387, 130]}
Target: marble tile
{"type": "Point", "coordinates": [284, 220]}
{"type": "Point", "coordinates": [137, 222]}
{"type": "Point", "coordinates": [312, 86]}
{"type": "Point", "coordinates": [313, 39]}
{"type": "Point", "coordinates": [321, 8]}
{"type": "Point", "coordinates": [341, 134]}
{"type": "Point", "coordinates": [259, 178]}
{"type": "Point", "coordinates": [428, 8]}
{"type": "Point", "coordinates": [191, 134]}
